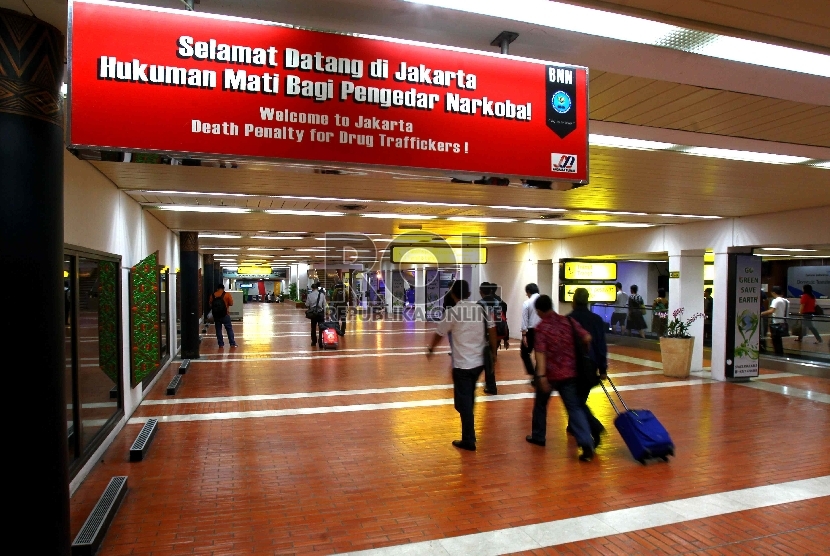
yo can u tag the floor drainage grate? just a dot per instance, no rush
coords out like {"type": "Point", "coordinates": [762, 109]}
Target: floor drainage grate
{"type": "Point", "coordinates": [143, 440]}
{"type": "Point", "coordinates": [95, 527]}
{"type": "Point", "coordinates": [184, 366]}
{"type": "Point", "coordinates": [173, 387]}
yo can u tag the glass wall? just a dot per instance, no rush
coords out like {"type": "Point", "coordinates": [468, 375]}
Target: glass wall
{"type": "Point", "coordinates": [92, 289]}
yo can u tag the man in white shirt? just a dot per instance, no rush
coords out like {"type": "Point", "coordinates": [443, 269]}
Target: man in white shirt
{"type": "Point", "coordinates": [471, 330]}
{"type": "Point", "coordinates": [529, 321]}
{"type": "Point", "coordinates": [779, 309]}
{"type": "Point", "coordinates": [620, 313]}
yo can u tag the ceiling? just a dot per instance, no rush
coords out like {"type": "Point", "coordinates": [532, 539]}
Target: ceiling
{"type": "Point", "coordinates": [650, 89]}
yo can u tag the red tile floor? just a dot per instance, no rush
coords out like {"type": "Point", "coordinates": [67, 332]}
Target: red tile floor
{"type": "Point", "coordinates": [336, 481]}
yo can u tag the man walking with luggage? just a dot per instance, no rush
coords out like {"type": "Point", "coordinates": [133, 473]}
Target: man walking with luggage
{"type": "Point", "coordinates": [220, 304]}
{"type": "Point", "coordinates": [467, 321]}
{"type": "Point", "coordinates": [598, 353]}
{"type": "Point", "coordinates": [556, 369]}
{"type": "Point", "coordinates": [529, 321]}
{"type": "Point", "coordinates": [316, 309]}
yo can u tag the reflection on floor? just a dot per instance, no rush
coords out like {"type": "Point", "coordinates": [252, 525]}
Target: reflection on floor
{"type": "Point", "coordinates": [278, 448]}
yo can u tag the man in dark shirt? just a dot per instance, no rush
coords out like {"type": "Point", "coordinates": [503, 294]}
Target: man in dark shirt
{"type": "Point", "coordinates": [595, 326]}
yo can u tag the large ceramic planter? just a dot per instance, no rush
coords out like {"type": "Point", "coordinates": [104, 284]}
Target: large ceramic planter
{"type": "Point", "coordinates": [677, 356]}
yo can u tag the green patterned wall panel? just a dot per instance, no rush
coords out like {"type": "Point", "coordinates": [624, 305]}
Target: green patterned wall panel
{"type": "Point", "coordinates": [108, 319]}
{"type": "Point", "coordinates": [144, 318]}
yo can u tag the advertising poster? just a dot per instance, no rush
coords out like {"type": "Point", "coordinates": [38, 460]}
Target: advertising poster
{"type": "Point", "coordinates": [746, 291]}
{"type": "Point", "coordinates": [816, 276]}
{"type": "Point", "coordinates": [215, 85]}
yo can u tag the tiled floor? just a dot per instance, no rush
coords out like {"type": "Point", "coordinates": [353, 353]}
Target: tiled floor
{"type": "Point", "coordinates": [383, 472]}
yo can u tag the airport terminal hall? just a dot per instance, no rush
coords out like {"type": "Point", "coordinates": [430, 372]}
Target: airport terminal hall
{"type": "Point", "coordinates": [418, 277]}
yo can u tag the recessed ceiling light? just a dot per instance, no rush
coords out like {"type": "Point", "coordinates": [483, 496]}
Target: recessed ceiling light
{"type": "Point", "coordinates": [225, 255]}
{"type": "Point", "coordinates": [265, 248]}
{"type": "Point", "coordinates": [392, 215]}
{"type": "Point", "coordinates": [222, 248]}
{"type": "Point", "coordinates": [557, 222]}
{"type": "Point", "coordinates": [491, 242]}
{"type": "Point", "coordinates": [624, 224]}
{"type": "Point", "coordinates": [203, 208]}
{"type": "Point", "coordinates": [221, 236]}
{"type": "Point", "coordinates": [609, 25]}
{"type": "Point", "coordinates": [482, 219]}
{"type": "Point", "coordinates": [307, 249]}
{"type": "Point", "coordinates": [618, 212]}
{"type": "Point", "coordinates": [304, 212]}
{"type": "Point", "coordinates": [747, 156]}
{"type": "Point", "coordinates": [278, 238]}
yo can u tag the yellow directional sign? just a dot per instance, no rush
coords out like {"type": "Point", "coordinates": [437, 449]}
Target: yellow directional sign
{"type": "Point", "coordinates": [415, 254]}
{"type": "Point", "coordinates": [575, 270]}
{"type": "Point", "coordinates": [597, 293]}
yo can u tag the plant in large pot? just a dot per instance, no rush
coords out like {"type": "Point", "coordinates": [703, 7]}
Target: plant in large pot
{"type": "Point", "coordinates": [677, 345]}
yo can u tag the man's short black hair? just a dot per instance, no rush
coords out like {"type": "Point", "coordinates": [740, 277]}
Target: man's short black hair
{"type": "Point", "coordinates": [544, 304]}
{"type": "Point", "coordinates": [461, 289]}
{"type": "Point", "coordinates": [531, 288]}
{"type": "Point", "coordinates": [707, 290]}
{"type": "Point", "coordinates": [581, 297]}
{"type": "Point", "coordinates": [619, 285]}
{"type": "Point", "coordinates": [220, 286]}
{"type": "Point", "coordinates": [634, 288]}
{"type": "Point", "coordinates": [777, 290]}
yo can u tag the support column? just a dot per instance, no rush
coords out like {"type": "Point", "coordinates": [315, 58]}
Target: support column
{"type": "Point", "coordinates": [209, 286]}
{"type": "Point", "coordinates": [555, 280]}
{"type": "Point", "coordinates": [719, 311]}
{"type": "Point", "coordinates": [189, 265]}
{"type": "Point", "coordinates": [420, 293]}
{"type": "Point", "coordinates": [686, 291]}
{"type": "Point", "coordinates": [31, 183]}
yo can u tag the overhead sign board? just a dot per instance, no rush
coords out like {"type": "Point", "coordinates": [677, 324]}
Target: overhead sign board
{"type": "Point", "coordinates": [597, 293]}
{"type": "Point", "coordinates": [175, 81]}
{"type": "Point", "coordinates": [577, 270]}
{"type": "Point", "coordinates": [415, 254]}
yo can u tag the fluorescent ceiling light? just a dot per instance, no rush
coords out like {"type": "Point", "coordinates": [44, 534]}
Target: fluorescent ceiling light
{"type": "Point", "coordinates": [203, 208]}
{"type": "Point", "coordinates": [222, 248]}
{"type": "Point", "coordinates": [787, 249]}
{"type": "Point", "coordinates": [502, 243]}
{"type": "Point", "coordinates": [824, 164]}
{"type": "Point", "coordinates": [747, 156]}
{"type": "Point", "coordinates": [265, 248]}
{"type": "Point", "coordinates": [482, 219]}
{"type": "Point", "coordinates": [220, 236]}
{"type": "Point", "coordinates": [531, 209]}
{"type": "Point", "coordinates": [627, 28]}
{"type": "Point", "coordinates": [619, 212]}
{"type": "Point", "coordinates": [624, 224]}
{"type": "Point", "coordinates": [557, 222]}
{"type": "Point", "coordinates": [279, 238]}
{"type": "Point", "coordinates": [225, 255]}
{"type": "Point", "coordinates": [311, 249]}
{"type": "Point", "coordinates": [399, 216]}
{"type": "Point", "coordinates": [643, 261]}
{"type": "Point", "coordinates": [386, 240]}
{"type": "Point", "coordinates": [627, 143]}
{"type": "Point", "coordinates": [304, 212]}
{"type": "Point", "coordinates": [689, 216]}
{"type": "Point", "coordinates": [355, 237]}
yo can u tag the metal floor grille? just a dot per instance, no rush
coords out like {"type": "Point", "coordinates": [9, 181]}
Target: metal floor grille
{"type": "Point", "coordinates": [143, 440]}
{"type": "Point", "coordinates": [95, 527]}
{"type": "Point", "coordinates": [173, 387]}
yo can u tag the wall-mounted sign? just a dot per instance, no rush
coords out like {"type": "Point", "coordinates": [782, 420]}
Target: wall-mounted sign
{"type": "Point", "coordinates": [597, 293]}
{"type": "Point", "coordinates": [203, 83]}
{"type": "Point", "coordinates": [415, 254]}
{"type": "Point", "coordinates": [816, 276]}
{"type": "Point", "coordinates": [577, 270]}
{"type": "Point", "coordinates": [743, 316]}
{"type": "Point", "coordinates": [256, 272]}
{"type": "Point", "coordinates": [674, 274]}
{"type": "Point", "coordinates": [708, 273]}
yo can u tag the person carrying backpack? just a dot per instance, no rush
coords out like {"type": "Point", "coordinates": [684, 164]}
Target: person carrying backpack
{"type": "Point", "coordinates": [220, 303]}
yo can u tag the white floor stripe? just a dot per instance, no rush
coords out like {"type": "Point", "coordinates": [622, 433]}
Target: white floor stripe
{"type": "Point", "coordinates": [635, 360]}
{"type": "Point", "coordinates": [787, 390]}
{"type": "Point", "coordinates": [381, 406]}
{"type": "Point", "coordinates": [257, 355]}
{"type": "Point", "coordinates": [307, 332]}
{"type": "Point", "coordinates": [322, 354]}
{"type": "Point", "coordinates": [556, 533]}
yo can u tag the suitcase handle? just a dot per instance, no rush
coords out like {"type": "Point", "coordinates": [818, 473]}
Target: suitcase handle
{"type": "Point", "coordinates": [610, 399]}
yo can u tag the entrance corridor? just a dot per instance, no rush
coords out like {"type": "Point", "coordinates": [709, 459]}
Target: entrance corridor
{"type": "Point", "coordinates": [276, 447]}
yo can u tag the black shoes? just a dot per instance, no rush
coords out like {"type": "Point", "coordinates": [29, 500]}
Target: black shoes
{"type": "Point", "coordinates": [464, 445]}
{"type": "Point", "coordinates": [536, 441]}
{"type": "Point", "coordinates": [587, 454]}
{"type": "Point", "coordinates": [492, 391]}
{"type": "Point", "coordinates": [598, 437]}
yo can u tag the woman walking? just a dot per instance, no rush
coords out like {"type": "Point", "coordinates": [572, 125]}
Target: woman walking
{"type": "Point", "coordinates": [808, 309]}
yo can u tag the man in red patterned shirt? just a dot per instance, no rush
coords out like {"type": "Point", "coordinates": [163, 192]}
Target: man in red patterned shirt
{"type": "Point", "coordinates": [556, 369]}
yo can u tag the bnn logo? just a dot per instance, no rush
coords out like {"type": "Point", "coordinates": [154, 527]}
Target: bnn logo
{"type": "Point", "coordinates": [563, 162]}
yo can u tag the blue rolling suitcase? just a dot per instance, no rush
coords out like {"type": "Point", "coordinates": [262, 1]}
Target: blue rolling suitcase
{"type": "Point", "coordinates": [644, 435]}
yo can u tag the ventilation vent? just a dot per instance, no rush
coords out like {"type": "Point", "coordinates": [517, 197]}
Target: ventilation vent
{"type": "Point", "coordinates": [352, 207]}
{"type": "Point", "coordinates": [173, 387]}
{"type": "Point", "coordinates": [143, 440]}
{"type": "Point", "coordinates": [184, 366]}
{"type": "Point", "coordinates": [95, 527]}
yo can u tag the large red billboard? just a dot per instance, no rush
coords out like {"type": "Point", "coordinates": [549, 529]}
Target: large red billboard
{"type": "Point", "coordinates": [150, 79]}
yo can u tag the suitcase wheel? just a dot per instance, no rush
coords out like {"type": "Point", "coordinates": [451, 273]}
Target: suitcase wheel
{"type": "Point", "coordinates": [664, 458]}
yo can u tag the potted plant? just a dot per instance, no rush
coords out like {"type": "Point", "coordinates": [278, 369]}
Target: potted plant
{"type": "Point", "coordinates": [676, 345]}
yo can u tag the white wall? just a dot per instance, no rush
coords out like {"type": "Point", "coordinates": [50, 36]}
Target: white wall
{"type": "Point", "coordinates": [98, 216]}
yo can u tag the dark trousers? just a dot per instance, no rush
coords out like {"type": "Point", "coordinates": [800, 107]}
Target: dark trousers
{"type": "Point", "coordinates": [489, 372]}
{"type": "Point", "coordinates": [807, 324]}
{"type": "Point", "coordinates": [777, 331]}
{"type": "Point", "coordinates": [575, 407]}
{"type": "Point", "coordinates": [226, 322]}
{"type": "Point", "coordinates": [464, 388]}
{"type": "Point", "coordinates": [340, 315]}
{"type": "Point", "coordinates": [530, 365]}
{"type": "Point", "coordinates": [593, 423]}
{"type": "Point", "coordinates": [315, 326]}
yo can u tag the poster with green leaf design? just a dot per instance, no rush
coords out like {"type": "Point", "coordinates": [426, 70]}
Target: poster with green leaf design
{"type": "Point", "coordinates": [144, 319]}
{"type": "Point", "coordinates": [108, 319]}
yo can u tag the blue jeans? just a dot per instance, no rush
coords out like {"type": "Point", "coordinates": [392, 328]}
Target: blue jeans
{"type": "Point", "coordinates": [574, 405]}
{"type": "Point", "coordinates": [226, 321]}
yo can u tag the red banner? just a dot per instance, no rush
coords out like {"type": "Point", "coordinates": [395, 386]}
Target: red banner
{"type": "Point", "coordinates": [149, 79]}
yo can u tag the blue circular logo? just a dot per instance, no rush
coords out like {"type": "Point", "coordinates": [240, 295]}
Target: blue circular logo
{"type": "Point", "coordinates": [561, 102]}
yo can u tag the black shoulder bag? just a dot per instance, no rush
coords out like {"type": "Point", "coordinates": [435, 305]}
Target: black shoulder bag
{"type": "Point", "coordinates": [316, 311]}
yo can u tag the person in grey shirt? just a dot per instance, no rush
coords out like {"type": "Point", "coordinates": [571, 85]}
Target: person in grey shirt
{"type": "Point", "coordinates": [529, 321]}
{"type": "Point", "coordinates": [316, 300]}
